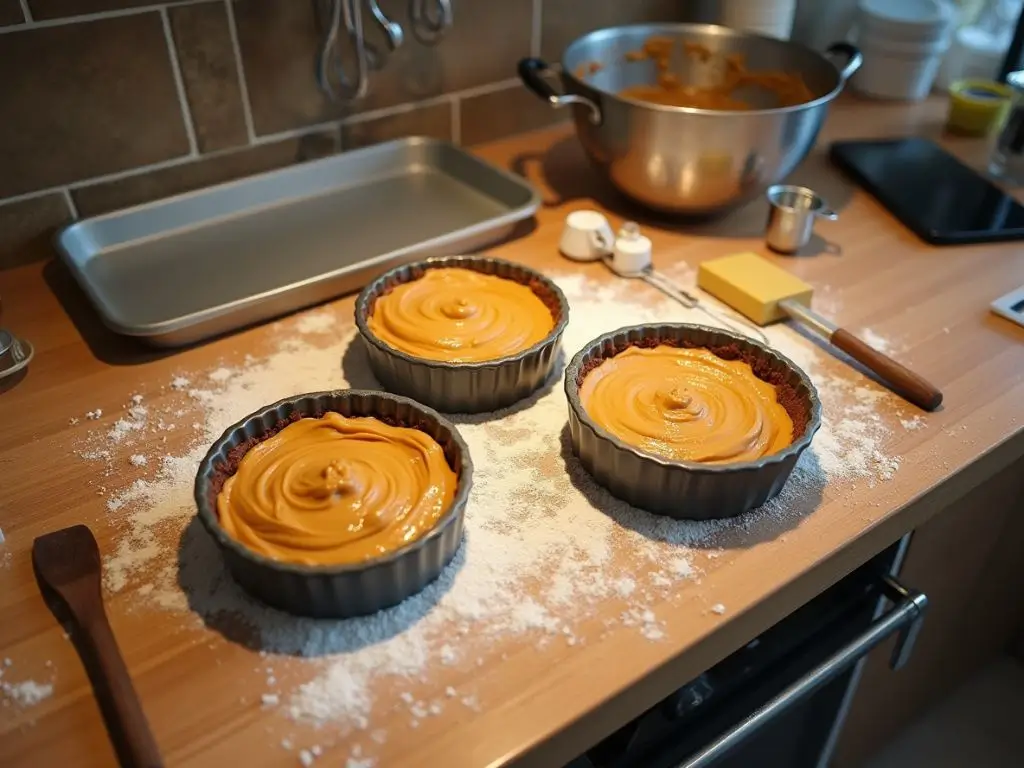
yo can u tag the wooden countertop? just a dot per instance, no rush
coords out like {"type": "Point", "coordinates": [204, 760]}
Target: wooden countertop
{"type": "Point", "coordinates": [537, 706]}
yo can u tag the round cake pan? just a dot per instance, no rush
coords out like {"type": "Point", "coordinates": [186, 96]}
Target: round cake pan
{"type": "Point", "coordinates": [689, 490]}
{"type": "Point", "coordinates": [464, 387]}
{"type": "Point", "coordinates": [339, 591]}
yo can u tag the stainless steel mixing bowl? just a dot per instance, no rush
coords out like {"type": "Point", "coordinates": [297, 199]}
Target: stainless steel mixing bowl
{"type": "Point", "coordinates": [683, 160]}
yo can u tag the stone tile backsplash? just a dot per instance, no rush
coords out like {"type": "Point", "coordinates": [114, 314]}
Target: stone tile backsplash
{"type": "Point", "coordinates": [110, 103]}
{"type": "Point", "coordinates": [206, 59]}
{"type": "Point", "coordinates": [10, 12]}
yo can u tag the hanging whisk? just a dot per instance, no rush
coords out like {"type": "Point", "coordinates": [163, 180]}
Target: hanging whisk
{"type": "Point", "coordinates": [332, 77]}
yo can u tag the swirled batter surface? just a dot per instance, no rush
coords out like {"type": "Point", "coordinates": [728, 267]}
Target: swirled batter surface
{"type": "Point", "coordinates": [686, 405]}
{"type": "Point", "coordinates": [460, 316]}
{"type": "Point", "coordinates": [336, 490]}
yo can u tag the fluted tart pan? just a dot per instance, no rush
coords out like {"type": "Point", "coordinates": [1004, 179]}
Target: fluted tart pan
{"type": "Point", "coordinates": [338, 591]}
{"type": "Point", "coordinates": [464, 387]}
{"type": "Point", "coordinates": [680, 489]}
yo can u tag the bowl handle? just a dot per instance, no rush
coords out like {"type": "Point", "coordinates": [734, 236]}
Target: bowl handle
{"type": "Point", "coordinates": [532, 72]}
{"type": "Point", "coordinates": [852, 55]}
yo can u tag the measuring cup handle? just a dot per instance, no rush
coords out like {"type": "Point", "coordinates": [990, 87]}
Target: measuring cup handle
{"type": "Point", "coordinates": [599, 242]}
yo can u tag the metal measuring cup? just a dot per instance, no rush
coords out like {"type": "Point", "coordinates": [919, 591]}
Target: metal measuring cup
{"type": "Point", "coordinates": [792, 211]}
{"type": "Point", "coordinates": [15, 353]}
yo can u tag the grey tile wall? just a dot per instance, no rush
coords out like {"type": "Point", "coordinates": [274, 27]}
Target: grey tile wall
{"type": "Point", "coordinates": [26, 226]}
{"type": "Point", "coordinates": [132, 190]}
{"type": "Point", "coordinates": [83, 100]}
{"type": "Point", "coordinates": [10, 12]}
{"type": "Point", "coordinates": [109, 103]}
{"type": "Point", "coordinates": [202, 44]}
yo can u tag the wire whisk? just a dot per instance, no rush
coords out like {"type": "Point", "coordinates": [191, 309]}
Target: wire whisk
{"type": "Point", "coordinates": [333, 79]}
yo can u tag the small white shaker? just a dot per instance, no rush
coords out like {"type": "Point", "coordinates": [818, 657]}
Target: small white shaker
{"type": "Point", "coordinates": [632, 251]}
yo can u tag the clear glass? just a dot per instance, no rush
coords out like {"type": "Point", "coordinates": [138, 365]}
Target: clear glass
{"type": "Point", "coordinates": [1007, 161]}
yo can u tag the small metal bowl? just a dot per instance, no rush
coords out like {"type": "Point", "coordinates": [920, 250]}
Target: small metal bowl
{"type": "Point", "coordinates": [338, 591]}
{"type": "Point", "coordinates": [15, 354]}
{"type": "Point", "coordinates": [682, 489]}
{"type": "Point", "coordinates": [464, 387]}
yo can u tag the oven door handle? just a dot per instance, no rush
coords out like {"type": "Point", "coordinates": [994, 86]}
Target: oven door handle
{"type": "Point", "coordinates": [905, 618]}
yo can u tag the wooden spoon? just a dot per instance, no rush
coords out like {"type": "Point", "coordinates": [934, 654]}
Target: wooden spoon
{"type": "Point", "coordinates": [67, 565]}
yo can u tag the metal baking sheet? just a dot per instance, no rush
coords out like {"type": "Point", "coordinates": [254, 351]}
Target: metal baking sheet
{"type": "Point", "coordinates": [194, 266]}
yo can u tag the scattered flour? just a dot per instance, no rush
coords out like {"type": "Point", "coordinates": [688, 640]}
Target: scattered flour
{"type": "Point", "coordinates": [324, 321]}
{"type": "Point", "coordinates": [138, 460]}
{"type": "Point", "coordinates": [886, 465]}
{"type": "Point", "coordinates": [94, 415]}
{"type": "Point", "coordinates": [624, 586]}
{"type": "Point", "coordinates": [880, 342]}
{"type": "Point", "coordinates": [718, 608]}
{"type": "Point", "coordinates": [135, 421]}
{"type": "Point", "coordinates": [27, 693]}
{"type": "Point", "coordinates": [913, 423]}
{"type": "Point", "coordinates": [544, 543]}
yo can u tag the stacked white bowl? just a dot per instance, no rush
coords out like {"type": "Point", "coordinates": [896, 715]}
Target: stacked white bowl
{"type": "Point", "coordinates": [903, 42]}
{"type": "Point", "coordinates": [764, 17]}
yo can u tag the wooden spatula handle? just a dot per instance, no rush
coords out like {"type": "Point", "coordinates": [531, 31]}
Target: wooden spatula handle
{"type": "Point", "coordinates": [903, 380]}
{"type": "Point", "coordinates": [122, 712]}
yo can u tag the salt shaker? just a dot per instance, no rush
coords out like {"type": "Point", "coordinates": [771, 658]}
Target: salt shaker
{"type": "Point", "coordinates": [1007, 160]}
{"type": "Point", "coordinates": [632, 251]}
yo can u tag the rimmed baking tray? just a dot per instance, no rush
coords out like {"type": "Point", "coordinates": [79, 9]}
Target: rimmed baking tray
{"type": "Point", "coordinates": [179, 270]}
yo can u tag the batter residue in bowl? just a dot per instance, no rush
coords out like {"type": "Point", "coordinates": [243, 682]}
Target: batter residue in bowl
{"type": "Point", "coordinates": [686, 405]}
{"type": "Point", "coordinates": [459, 315]}
{"type": "Point", "coordinates": [789, 89]}
{"type": "Point", "coordinates": [336, 490]}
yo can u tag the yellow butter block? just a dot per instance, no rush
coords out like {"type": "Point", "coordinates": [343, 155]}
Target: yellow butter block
{"type": "Point", "coordinates": [752, 285]}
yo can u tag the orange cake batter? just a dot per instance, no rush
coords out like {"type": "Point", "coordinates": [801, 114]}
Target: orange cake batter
{"type": "Point", "coordinates": [336, 490]}
{"type": "Point", "coordinates": [789, 88]}
{"type": "Point", "coordinates": [460, 316]}
{"type": "Point", "coordinates": [686, 405]}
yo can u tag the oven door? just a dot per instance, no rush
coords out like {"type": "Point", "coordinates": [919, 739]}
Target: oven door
{"type": "Point", "coordinates": [778, 701]}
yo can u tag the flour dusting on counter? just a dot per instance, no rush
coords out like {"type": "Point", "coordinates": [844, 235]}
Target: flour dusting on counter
{"type": "Point", "coordinates": [24, 693]}
{"type": "Point", "coordinates": [543, 542]}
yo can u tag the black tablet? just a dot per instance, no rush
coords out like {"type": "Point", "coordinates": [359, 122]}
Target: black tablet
{"type": "Point", "coordinates": [943, 201]}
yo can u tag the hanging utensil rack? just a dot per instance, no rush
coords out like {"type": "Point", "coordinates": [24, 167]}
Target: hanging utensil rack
{"type": "Point", "coordinates": [345, 76]}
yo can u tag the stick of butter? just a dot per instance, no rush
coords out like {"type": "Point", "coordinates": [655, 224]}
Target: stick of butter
{"type": "Point", "coordinates": [753, 286]}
